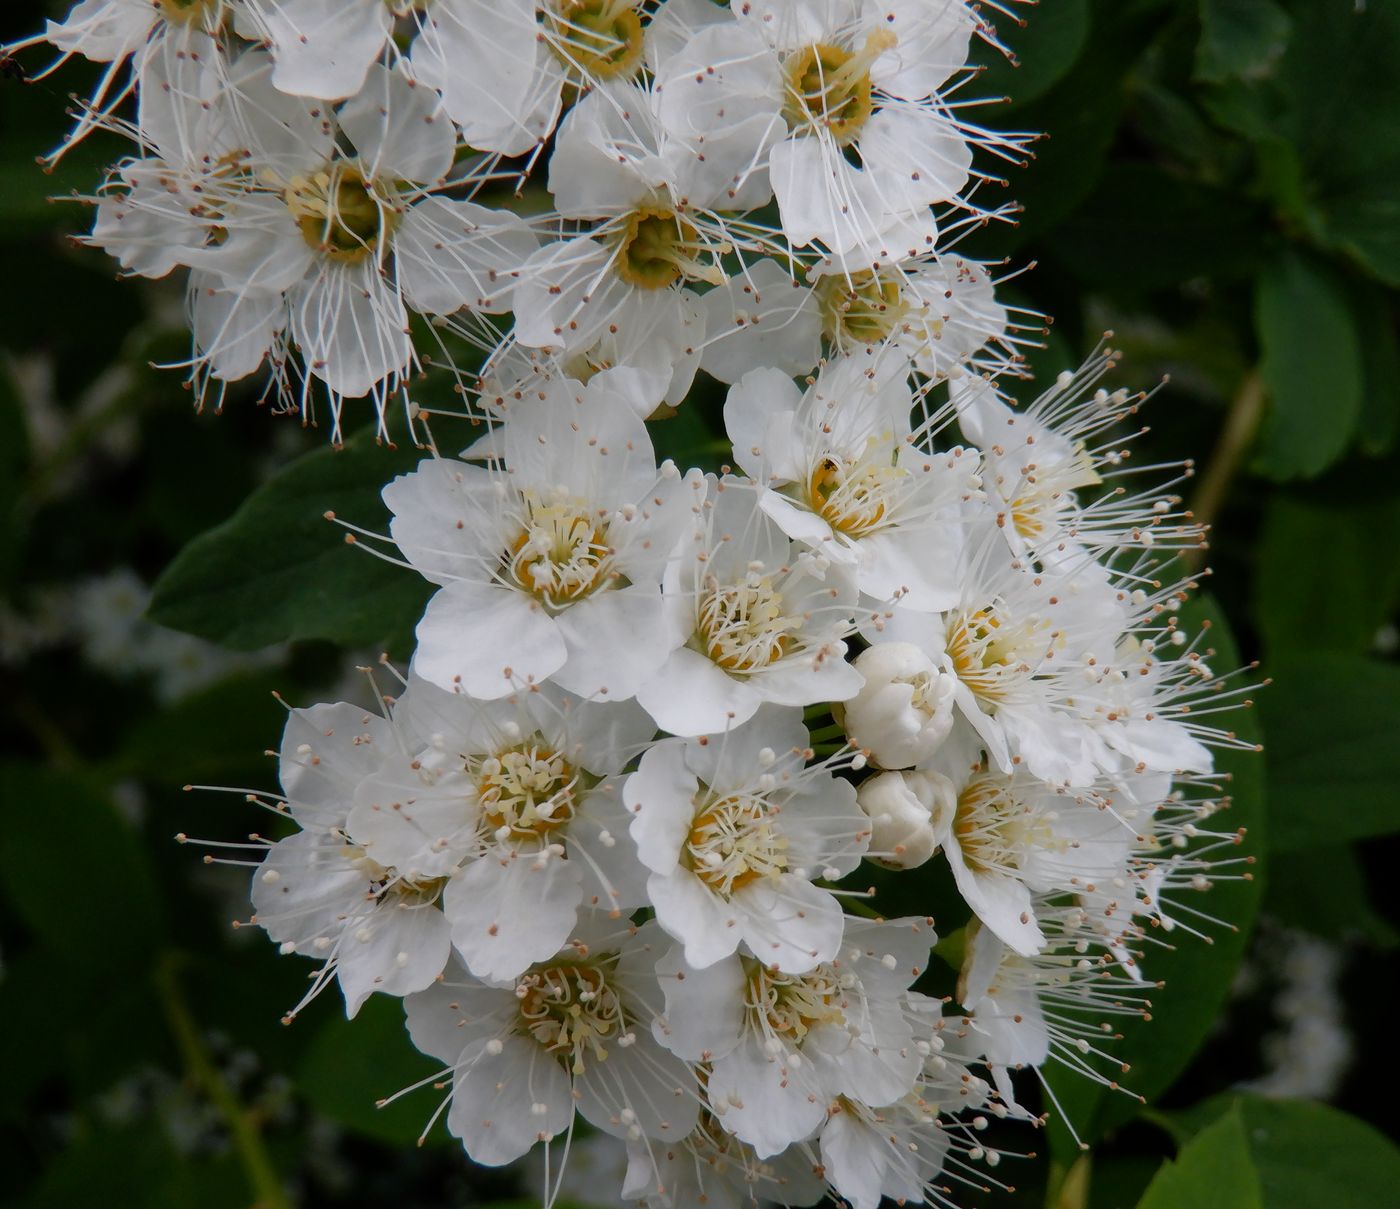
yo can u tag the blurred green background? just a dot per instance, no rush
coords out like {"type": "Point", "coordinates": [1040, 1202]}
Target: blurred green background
{"type": "Point", "coordinates": [1221, 191]}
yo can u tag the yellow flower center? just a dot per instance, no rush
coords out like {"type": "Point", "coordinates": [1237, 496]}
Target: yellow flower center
{"type": "Point", "coordinates": [561, 554]}
{"type": "Point", "coordinates": [732, 843]}
{"type": "Point", "coordinates": [529, 789]}
{"type": "Point", "coordinates": [854, 496]}
{"type": "Point", "coordinates": [340, 215]}
{"type": "Point", "coordinates": [596, 39]}
{"type": "Point", "coordinates": [204, 13]}
{"type": "Point", "coordinates": [571, 1011]}
{"type": "Point", "coordinates": [789, 1006]}
{"type": "Point", "coordinates": [743, 627]}
{"type": "Point", "coordinates": [829, 88]}
{"type": "Point", "coordinates": [863, 308]}
{"type": "Point", "coordinates": [994, 828]}
{"type": "Point", "coordinates": [988, 654]}
{"type": "Point", "coordinates": [656, 248]}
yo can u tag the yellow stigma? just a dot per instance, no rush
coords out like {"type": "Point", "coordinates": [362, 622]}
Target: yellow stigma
{"type": "Point", "coordinates": [829, 88]}
{"type": "Point", "coordinates": [339, 213]}
{"type": "Point", "coordinates": [656, 249]}
{"type": "Point", "coordinates": [561, 554]}
{"type": "Point", "coordinates": [596, 39]}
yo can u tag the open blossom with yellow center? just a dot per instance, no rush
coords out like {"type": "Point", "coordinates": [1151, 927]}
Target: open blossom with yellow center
{"type": "Point", "coordinates": [763, 620]}
{"type": "Point", "coordinates": [572, 1033]}
{"type": "Point", "coordinates": [594, 39]}
{"type": "Point", "coordinates": [828, 87]}
{"type": "Point", "coordinates": [735, 830]}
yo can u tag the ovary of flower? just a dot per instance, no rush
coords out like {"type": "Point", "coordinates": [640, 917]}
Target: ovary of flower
{"type": "Point", "coordinates": [854, 495]}
{"type": "Point", "coordinates": [743, 627]}
{"type": "Point", "coordinates": [863, 307]}
{"type": "Point", "coordinates": [572, 1012]}
{"type": "Point", "coordinates": [732, 842]}
{"type": "Point", "coordinates": [560, 554]}
{"type": "Point", "coordinates": [828, 88]}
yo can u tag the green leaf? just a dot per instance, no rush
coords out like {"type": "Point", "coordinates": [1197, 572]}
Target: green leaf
{"type": "Point", "coordinates": [1144, 229]}
{"type": "Point", "coordinates": [1334, 100]}
{"type": "Point", "coordinates": [1240, 38]}
{"type": "Point", "coordinates": [1380, 354]}
{"type": "Point", "coordinates": [1307, 1155]}
{"type": "Point", "coordinates": [350, 1065]}
{"type": "Point", "coordinates": [1197, 973]}
{"type": "Point", "coordinates": [1213, 1171]}
{"type": "Point", "coordinates": [1311, 366]}
{"type": "Point", "coordinates": [278, 570]}
{"type": "Point", "coordinates": [1329, 574]}
{"type": "Point", "coordinates": [1044, 45]}
{"type": "Point", "coordinates": [74, 871]}
{"type": "Point", "coordinates": [1333, 761]}
{"type": "Point", "coordinates": [1343, 913]}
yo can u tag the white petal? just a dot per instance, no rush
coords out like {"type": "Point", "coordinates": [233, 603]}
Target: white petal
{"type": "Point", "coordinates": [398, 129]}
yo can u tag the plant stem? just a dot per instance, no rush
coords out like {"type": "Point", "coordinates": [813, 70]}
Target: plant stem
{"type": "Point", "coordinates": [1236, 436]}
{"type": "Point", "coordinates": [241, 1123]}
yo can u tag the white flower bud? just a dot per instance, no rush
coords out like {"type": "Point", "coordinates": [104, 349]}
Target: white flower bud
{"type": "Point", "coordinates": [902, 807]}
{"type": "Point", "coordinates": [905, 710]}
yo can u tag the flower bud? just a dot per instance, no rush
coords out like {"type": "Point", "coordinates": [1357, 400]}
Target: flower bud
{"type": "Point", "coordinates": [905, 710]}
{"type": "Point", "coordinates": [901, 807]}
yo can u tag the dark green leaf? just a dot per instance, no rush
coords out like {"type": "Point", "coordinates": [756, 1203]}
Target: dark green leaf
{"type": "Point", "coordinates": [278, 570]}
{"type": "Point", "coordinates": [1213, 1171]}
{"type": "Point", "coordinates": [1343, 913]}
{"type": "Point", "coordinates": [1380, 355]}
{"type": "Point", "coordinates": [1044, 47]}
{"type": "Point", "coordinates": [1332, 756]}
{"type": "Point", "coordinates": [1143, 229]}
{"type": "Point", "coordinates": [350, 1065]}
{"type": "Point", "coordinates": [1311, 366]}
{"type": "Point", "coordinates": [74, 871]}
{"type": "Point", "coordinates": [1240, 38]}
{"type": "Point", "coordinates": [1328, 575]}
{"type": "Point", "coordinates": [1197, 974]}
{"type": "Point", "coordinates": [1307, 1155]}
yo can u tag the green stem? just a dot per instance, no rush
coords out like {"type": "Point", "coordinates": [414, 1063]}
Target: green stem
{"type": "Point", "coordinates": [241, 1122]}
{"type": "Point", "coordinates": [1236, 437]}
{"type": "Point", "coordinates": [827, 733]}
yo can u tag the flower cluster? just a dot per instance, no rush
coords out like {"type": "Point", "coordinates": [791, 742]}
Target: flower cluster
{"type": "Point", "coordinates": [657, 717]}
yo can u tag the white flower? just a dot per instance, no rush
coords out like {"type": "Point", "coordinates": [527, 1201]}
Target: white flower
{"type": "Point", "coordinates": [759, 317]}
{"type": "Point", "coordinates": [754, 617]}
{"type": "Point", "coordinates": [781, 1047]}
{"type": "Point", "coordinates": [901, 808]}
{"type": "Point", "coordinates": [516, 804]}
{"type": "Point", "coordinates": [872, 1153]}
{"type": "Point", "coordinates": [1010, 837]}
{"type": "Point", "coordinates": [735, 829]}
{"type": "Point", "coordinates": [941, 310]}
{"type": "Point", "coordinates": [317, 894]}
{"type": "Point", "coordinates": [1024, 647]}
{"type": "Point", "coordinates": [650, 201]}
{"type": "Point", "coordinates": [824, 79]}
{"type": "Point", "coordinates": [548, 560]}
{"type": "Point", "coordinates": [571, 1032]}
{"type": "Point", "coordinates": [904, 711]}
{"type": "Point", "coordinates": [319, 229]}
{"type": "Point", "coordinates": [1041, 460]}
{"type": "Point", "coordinates": [843, 472]}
